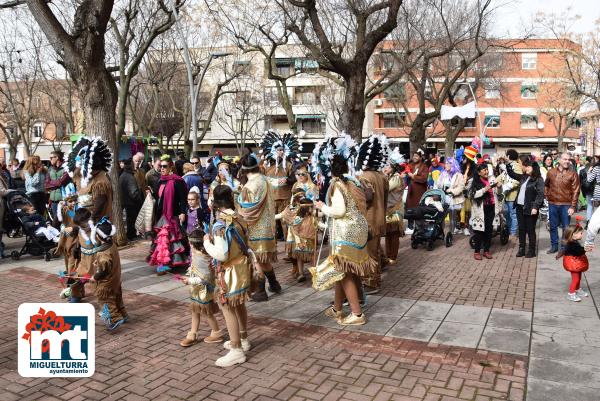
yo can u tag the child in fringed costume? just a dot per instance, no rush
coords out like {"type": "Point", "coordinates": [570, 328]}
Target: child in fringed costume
{"type": "Point", "coordinates": [302, 231]}
{"type": "Point", "coordinates": [228, 245]}
{"type": "Point", "coordinates": [394, 216]}
{"type": "Point", "coordinates": [257, 210]}
{"type": "Point", "coordinates": [88, 164]}
{"type": "Point", "coordinates": [67, 244]}
{"type": "Point", "coordinates": [170, 248]}
{"type": "Point", "coordinates": [348, 230]}
{"type": "Point", "coordinates": [224, 177]}
{"type": "Point", "coordinates": [372, 156]}
{"type": "Point", "coordinates": [105, 267]}
{"type": "Point", "coordinates": [201, 280]}
{"type": "Point", "coordinates": [279, 153]}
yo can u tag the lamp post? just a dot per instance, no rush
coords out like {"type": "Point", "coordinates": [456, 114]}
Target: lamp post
{"type": "Point", "coordinates": [193, 89]}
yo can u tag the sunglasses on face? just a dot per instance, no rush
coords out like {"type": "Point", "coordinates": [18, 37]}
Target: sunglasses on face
{"type": "Point", "coordinates": [164, 166]}
{"type": "Point", "coordinates": [301, 174]}
{"type": "Point", "coordinates": [194, 163]}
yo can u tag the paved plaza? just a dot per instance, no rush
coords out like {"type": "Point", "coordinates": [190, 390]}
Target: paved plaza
{"type": "Point", "coordinates": [444, 327]}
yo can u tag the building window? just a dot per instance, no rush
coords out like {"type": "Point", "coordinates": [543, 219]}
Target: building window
{"type": "Point", "coordinates": [529, 91]}
{"type": "Point", "coordinates": [528, 121]}
{"type": "Point", "coordinates": [271, 95]}
{"type": "Point", "coordinates": [393, 120]}
{"type": "Point", "coordinates": [283, 68]}
{"type": "Point", "coordinates": [241, 67]}
{"type": "Point", "coordinates": [312, 125]}
{"type": "Point", "coordinates": [529, 61]}
{"type": "Point", "coordinates": [395, 91]}
{"type": "Point", "coordinates": [492, 90]}
{"type": "Point", "coordinates": [307, 95]}
{"type": "Point", "coordinates": [37, 130]}
{"type": "Point", "coordinates": [306, 65]}
{"type": "Point", "coordinates": [492, 121]}
{"type": "Point", "coordinates": [491, 61]}
{"type": "Point", "coordinates": [202, 124]}
{"type": "Point", "coordinates": [469, 123]}
{"type": "Point", "coordinates": [242, 96]}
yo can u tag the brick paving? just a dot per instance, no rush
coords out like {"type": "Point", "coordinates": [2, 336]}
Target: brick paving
{"type": "Point", "coordinates": [449, 275]}
{"type": "Point", "coordinates": [288, 362]}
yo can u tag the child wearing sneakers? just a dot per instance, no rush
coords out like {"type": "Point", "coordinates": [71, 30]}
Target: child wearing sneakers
{"type": "Point", "coordinates": [574, 260]}
{"type": "Point", "coordinates": [201, 279]}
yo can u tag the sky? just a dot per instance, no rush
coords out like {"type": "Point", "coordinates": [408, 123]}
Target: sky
{"type": "Point", "coordinates": [516, 15]}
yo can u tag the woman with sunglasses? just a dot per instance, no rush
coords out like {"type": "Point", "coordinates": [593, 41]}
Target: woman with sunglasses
{"type": "Point", "coordinates": [170, 248]}
{"type": "Point", "coordinates": [301, 222]}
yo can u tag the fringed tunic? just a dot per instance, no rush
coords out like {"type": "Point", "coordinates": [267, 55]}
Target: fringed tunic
{"type": "Point", "coordinates": [202, 284]}
{"type": "Point", "coordinates": [257, 210]}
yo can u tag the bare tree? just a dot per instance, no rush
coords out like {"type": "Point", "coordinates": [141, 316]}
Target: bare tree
{"type": "Point", "coordinates": [341, 37]}
{"type": "Point", "coordinates": [436, 43]}
{"type": "Point", "coordinates": [134, 28]}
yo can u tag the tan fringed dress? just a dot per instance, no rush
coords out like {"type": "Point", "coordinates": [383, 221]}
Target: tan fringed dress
{"type": "Point", "coordinates": [257, 210]}
{"type": "Point", "coordinates": [348, 227]}
{"type": "Point", "coordinates": [202, 284]}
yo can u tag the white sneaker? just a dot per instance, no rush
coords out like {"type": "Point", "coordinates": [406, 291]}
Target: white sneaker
{"type": "Point", "coordinates": [456, 231]}
{"type": "Point", "coordinates": [572, 296]}
{"type": "Point", "coordinates": [245, 345]}
{"type": "Point", "coordinates": [408, 231]}
{"type": "Point", "coordinates": [581, 293]}
{"type": "Point", "coordinates": [467, 232]}
{"type": "Point", "coordinates": [233, 357]}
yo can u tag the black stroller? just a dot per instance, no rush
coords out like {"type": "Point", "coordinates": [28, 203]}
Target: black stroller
{"type": "Point", "coordinates": [429, 223]}
{"type": "Point", "coordinates": [35, 245]}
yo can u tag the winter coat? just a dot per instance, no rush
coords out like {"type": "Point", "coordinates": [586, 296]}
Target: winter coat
{"type": "Point", "coordinates": [477, 220]}
{"type": "Point", "coordinates": [192, 179]}
{"type": "Point", "coordinates": [417, 185]}
{"type": "Point", "coordinates": [562, 187]}
{"type": "Point", "coordinates": [4, 190]}
{"type": "Point", "coordinates": [534, 192]}
{"type": "Point", "coordinates": [35, 183]}
{"type": "Point", "coordinates": [130, 191]}
{"type": "Point", "coordinates": [56, 179]}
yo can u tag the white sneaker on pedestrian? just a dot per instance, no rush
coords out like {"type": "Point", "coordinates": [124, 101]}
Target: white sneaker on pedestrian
{"type": "Point", "coordinates": [234, 356]}
{"type": "Point", "coordinates": [456, 231]}
{"type": "Point", "coordinates": [581, 293]}
{"type": "Point", "coordinates": [245, 345]}
{"type": "Point", "coordinates": [408, 231]}
{"type": "Point", "coordinates": [572, 296]}
{"type": "Point", "coordinates": [467, 232]}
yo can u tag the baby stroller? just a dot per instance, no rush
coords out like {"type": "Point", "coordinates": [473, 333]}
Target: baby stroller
{"type": "Point", "coordinates": [500, 228]}
{"type": "Point", "coordinates": [429, 221]}
{"type": "Point", "coordinates": [34, 245]}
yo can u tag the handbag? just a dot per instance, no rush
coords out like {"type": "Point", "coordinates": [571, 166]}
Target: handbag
{"type": "Point", "coordinates": [324, 274]}
{"type": "Point", "coordinates": [143, 222]}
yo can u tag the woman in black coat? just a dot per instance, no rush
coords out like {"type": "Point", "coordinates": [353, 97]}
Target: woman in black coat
{"type": "Point", "coordinates": [530, 199]}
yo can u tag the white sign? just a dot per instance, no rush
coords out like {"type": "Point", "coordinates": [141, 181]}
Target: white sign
{"type": "Point", "coordinates": [56, 340]}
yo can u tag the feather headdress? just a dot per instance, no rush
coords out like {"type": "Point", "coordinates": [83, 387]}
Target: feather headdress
{"type": "Point", "coordinates": [396, 158]}
{"type": "Point", "coordinates": [325, 151]}
{"type": "Point", "coordinates": [273, 141]}
{"type": "Point", "coordinates": [89, 154]}
{"type": "Point", "coordinates": [373, 153]}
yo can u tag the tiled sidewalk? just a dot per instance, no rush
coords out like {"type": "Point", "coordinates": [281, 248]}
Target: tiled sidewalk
{"type": "Point", "coordinates": [289, 361]}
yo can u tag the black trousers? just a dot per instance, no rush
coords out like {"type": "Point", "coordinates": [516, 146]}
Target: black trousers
{"type": "Point", "coordinates": [527, 225]}
{"type": "Point", "coordinates": [483, 239]}
{"type": "Point", "coordinates": [131, 213]}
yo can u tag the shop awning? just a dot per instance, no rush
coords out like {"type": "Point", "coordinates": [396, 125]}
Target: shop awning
{"type": "Point", "coordinates": [310, 116]}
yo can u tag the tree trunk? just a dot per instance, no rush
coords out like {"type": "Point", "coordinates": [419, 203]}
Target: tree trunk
{"type": "Point", "coordinates": [286, 103]}
{"type": "Point", "coordinates": [99, 105]}
{"type": "Point", "coordinates": [452, 132]}
{"type": "Point", "coordinates": [353, 115]}
{"type": "Point", "coordinates": [417, 134]}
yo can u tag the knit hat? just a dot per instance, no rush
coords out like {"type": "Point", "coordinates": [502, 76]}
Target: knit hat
{"type": "Point", "coordinates": [470, 153]}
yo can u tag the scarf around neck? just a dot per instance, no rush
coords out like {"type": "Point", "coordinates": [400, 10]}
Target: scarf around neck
{"type": "Point", "coordinates": [167, 193]}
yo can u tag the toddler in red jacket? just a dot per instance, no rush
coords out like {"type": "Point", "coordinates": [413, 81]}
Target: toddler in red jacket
{"type": "Point", "coordinates": [574, 260]}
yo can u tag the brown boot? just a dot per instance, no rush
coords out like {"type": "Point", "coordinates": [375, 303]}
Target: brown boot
{"type": "Point", "coordinates": [295, 270]}
{"type": "Point", "coordinates": [189, 340]}
{"type": "Point", "coordinates": [215, 337]}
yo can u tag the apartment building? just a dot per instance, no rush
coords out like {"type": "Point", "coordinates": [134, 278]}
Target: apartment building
{"type": "Point", "coordinates": [589, 133]}
{"type": "Point", "coordinates": [520, 101]}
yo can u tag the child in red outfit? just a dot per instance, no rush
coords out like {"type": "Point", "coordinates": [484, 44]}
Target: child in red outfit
{"type": "Point", "coordinates": [574, 260]}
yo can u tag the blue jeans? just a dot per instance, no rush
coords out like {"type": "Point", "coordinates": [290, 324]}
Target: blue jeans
{"type": "Point", "coordinates": [559, 216]}
{"type": "Point", "coordinates": [590, 207]}
{"type": "Point", "coordinates": [511, 217]}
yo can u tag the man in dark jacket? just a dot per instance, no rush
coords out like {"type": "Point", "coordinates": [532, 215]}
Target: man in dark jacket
{"type": "Point", "coordinates": [131, 197]}
{"type": "Point", "coordinates": [56, 180]}
{"type": "Point", "coordinates": [153, 175]}
{"type": "Point", "coordinates": [180, 162]}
